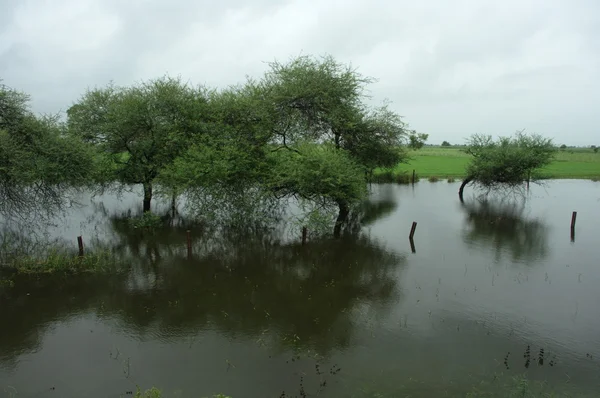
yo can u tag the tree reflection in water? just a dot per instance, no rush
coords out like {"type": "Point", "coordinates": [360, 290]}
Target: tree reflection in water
{"type": "Point", "coordinates": [241, 284]}
{"type": "Point", "coordinates": [503, 225]}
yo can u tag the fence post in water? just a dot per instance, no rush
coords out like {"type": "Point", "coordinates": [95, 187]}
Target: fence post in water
{"type": "Point", "coordinates": [80, 244]}
{"type": "Point", "coordinates": [573, 220]}
{"type": "Point", "coordinates": [412, 246]}
{"type": "Point", "coordinates": [304, 234]}
{"type": "Point", "coordinates": [189, 244]}
{"type": "Point", "coordinates": [413, 176]}
{"type": "Point", "coordinates": [412, 230]}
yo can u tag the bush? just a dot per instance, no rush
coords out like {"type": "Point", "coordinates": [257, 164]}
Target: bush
{"type": "Point", "coordinates": [148, 220]}
{"type": "Point", "coordinates": [391, 177]}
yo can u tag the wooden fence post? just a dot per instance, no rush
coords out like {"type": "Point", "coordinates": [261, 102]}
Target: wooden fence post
{"type": "Point", "coordinates": [573, 220]}
{"type": "Point", "coordinates": [412, 230]}
{"type": "Point", "coordinates": [80, 244]}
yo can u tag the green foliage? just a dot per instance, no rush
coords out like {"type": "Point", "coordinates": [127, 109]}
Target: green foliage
{"type": "Point", "coordinates": [64, 261]}
{"type": "Point", "coordinates": [148, 220]}
{"type": "Point", "coordinates": [302, 131]}
{"type": "Point", "coordinates": [509, 161]}
{"type": "Point", "coordinates": [383, 176]}
{"type": "Point", "coordinates": [139, 130]}
{"type": "Point", "coordinates": [433, 179]}
{"type": "Point", "coordinates": [446, 143]}
{"type": "Point", "coordinates": [563, 146]}
{"type": "Point", "coordinates": [319, 173]}
{"type": "Point", "coordinates": [416, 141]}
{"type": "Point", "coordinates": [150, 393]}
{"type": "Point", "coordinates": [322, 100]}
{"type": "Point", "coordinates": [156, 393]}
{"type": "Point", "coordinates": [39, 162]}
{"type": "Point", "coordinates": [233, 151]}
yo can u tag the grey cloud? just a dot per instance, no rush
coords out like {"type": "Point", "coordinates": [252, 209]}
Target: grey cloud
{"type": "Point", "coordinates": [451, 68]}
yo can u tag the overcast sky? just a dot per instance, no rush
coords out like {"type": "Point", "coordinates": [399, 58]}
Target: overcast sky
{"type": "Point", "coordinates": [451, 68]}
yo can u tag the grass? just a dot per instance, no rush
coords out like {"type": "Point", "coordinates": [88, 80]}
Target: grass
{"type": "Point", "coordinates": [450, 163]}
{"type": "Point", "coordinates": [65, 262]}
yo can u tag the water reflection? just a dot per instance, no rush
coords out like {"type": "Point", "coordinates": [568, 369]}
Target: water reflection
{"type": "Point", "coordinates": [295, 295]}
{"type": "Point", "coordinates": [504, 226]}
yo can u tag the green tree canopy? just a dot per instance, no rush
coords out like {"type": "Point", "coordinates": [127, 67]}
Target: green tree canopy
{"type": "Point", "coordinates": [507, 162]}
{"type": "Point", "coordinates": [303, 130]}
{"type": "Point", "coordinates": [40, 163]}
{"type": "Point", "coordinates": [323, 102]}
{"type": "Point", "coordinates": [416, 140]}
{"type": "Point", "coordinates": [139, 130]}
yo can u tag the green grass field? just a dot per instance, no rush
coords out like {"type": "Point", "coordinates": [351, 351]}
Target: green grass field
{"type": "Point", "coordinates": [443, 162]}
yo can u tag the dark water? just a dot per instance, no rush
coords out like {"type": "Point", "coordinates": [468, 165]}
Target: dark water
{"type": "Point", "coordinates": [489, 286]}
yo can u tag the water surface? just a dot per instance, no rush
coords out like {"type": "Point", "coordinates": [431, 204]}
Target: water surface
{"type": "Point", "coordinates": [492, 290]}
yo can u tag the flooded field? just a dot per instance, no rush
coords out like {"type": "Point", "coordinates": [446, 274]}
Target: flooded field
{"type": "Point", "coordinates": [491, 292]}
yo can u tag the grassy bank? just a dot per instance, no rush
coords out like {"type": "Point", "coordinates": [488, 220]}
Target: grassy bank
{"type": "Point", "coordinates": [64, 261]}
{"type": "Point", "coordinates": [451, 162]}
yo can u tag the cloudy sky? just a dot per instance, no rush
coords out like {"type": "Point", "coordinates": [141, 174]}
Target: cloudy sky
{"type": "Point", "coordinates": [451, 68]}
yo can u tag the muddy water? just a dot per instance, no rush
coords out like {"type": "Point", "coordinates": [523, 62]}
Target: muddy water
{"type": "Point", "coordinates": [493, 290]}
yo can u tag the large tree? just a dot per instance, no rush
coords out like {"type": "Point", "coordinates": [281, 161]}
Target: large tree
{"type": "Point", "coordinates": [302, 131]}
{"type": "Point", "coordinates": [141, 129]}
{"type": "Point", "coordinates": [508, 162]}
{"type": "Point", "coordinates": [323, 101]}
{"type": "Point", "coordinates": [40, 163]}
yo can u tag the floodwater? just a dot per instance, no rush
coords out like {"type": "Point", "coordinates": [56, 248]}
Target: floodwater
{"type": "Point", "coordinates": [493, 290]}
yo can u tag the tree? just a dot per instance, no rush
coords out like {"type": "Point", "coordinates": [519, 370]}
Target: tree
{"type": "Point", "coordinates": [508, 162]}
{"type": "Point", "coordinates": [302, 131]}
{"type": "Point", "coordinates": [322, 174]}
{"type": "Point", "coordinates": [39, 162]}
{"type": "Point", "coordinates": [416, 141]}
{"type": "Point", "coordinates": [563, 146]}
{"type": "Point", "coordinates": [446, 143]}
{"type": "Point", "coordinates": [322, 101]}
{"type": "Point", "coordinates": [139, 130]}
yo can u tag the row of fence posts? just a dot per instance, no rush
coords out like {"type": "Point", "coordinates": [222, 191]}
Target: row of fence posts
{"type": "Point", "coordinates": [411, 236]}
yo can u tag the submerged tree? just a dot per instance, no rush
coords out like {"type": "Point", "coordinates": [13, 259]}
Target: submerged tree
{"type": "Point", "coordinates": [303, 131]}
{"type": "Point", "coordinates": [321, 101]}
{"type": "Point", "coordinates": [39, 162]}
{"type": "Point", "coordinates": [139, 130]}
{"type": "Point", "coordinates": [508, 162]}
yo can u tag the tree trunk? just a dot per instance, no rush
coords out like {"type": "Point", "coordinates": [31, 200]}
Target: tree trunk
{"type": "Point", "coordinates": [462, 187]}
{"type": "Point", "coordinates": [173, 204]}
{"type": "Point", "coordinates": [147, 196]}
{"type": "Point", "coordinates": [341, 218]}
